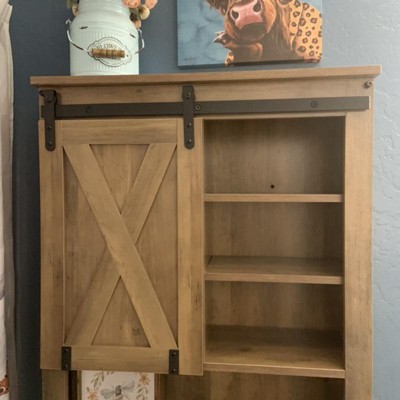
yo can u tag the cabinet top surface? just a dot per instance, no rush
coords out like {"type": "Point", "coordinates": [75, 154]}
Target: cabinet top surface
{"type": "Point", "coordinates": [207, 77]}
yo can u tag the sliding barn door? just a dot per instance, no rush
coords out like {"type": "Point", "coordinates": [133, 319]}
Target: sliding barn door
{"type": "Point", "coordinates": [121, 247]}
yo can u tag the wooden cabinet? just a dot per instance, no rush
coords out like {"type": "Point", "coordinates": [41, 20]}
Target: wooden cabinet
{"type": "Point", "coordinates": [212, 228]}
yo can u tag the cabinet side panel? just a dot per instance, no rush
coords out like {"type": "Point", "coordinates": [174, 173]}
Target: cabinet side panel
{"type": "Point", "coordinates": [52, 251]}
{"type": "Point", "coordinates": [191, 253]}
{"type": "Point", "coordinates": [358, 208]}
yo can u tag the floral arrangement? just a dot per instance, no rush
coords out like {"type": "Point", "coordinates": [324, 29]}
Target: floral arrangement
{"type": "Point", "coordinates": [140, 9]}
{"type": "Point", "coordinates": [113, 385]}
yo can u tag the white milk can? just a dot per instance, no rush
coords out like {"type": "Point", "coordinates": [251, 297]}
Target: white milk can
{"type": "Point", "coordinates": [103, 39]}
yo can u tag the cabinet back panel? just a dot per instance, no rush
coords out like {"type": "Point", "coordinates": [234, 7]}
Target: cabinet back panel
{"type": "Point", "coordinates": [227, 386]}
{"type": "Point", "coordinates": [275, 305]}
{"type": "Point", "coordinates": [275, 230]}
{"type": "Point", "coordinates": [85, 246]}
{"type": "Point", "coordinates": [296, 155]}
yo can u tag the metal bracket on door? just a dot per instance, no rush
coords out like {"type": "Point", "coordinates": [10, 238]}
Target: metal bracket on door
{"type": "Point", "coordinates": [173, 362]}
{"type": "Point", "coordinates": [49, 115]}
{"type": "Point", "coordinates": [188, 116]}
{"type": "Point", "coordinates": [66, 358]}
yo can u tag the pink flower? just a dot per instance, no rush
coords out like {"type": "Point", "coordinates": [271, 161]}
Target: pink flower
{"type": "Point", "coordinates": [151, 3]}
{"type": "Point", "coordinates": [132, 3]}
{"type": "Point", "coordinates": [92, 395]}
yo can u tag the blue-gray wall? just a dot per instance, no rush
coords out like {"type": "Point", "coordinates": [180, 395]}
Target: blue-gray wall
{"type": "Point", "coordinates": [357, 32]}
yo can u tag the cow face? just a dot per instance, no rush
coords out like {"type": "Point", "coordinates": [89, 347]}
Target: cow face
{"type": "Point", "coordinates": [247, 21]}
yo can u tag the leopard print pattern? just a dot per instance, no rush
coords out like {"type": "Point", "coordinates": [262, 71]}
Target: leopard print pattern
{"type": "Point", "coordinates": [230, 58]}
{"type": "Point", "coordinates": [305, 29]}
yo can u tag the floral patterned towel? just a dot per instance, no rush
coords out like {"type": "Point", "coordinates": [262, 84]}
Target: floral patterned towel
{"type": "Point", "coordinates": [3, 358]}
{"type": "Point", "coordinates": [101, 385]}
{"type": "Point", "coordinates": [4, 386]}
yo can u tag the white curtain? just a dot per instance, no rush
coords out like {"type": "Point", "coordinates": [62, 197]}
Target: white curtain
{"type": "Point", "coordinates": [6, 124]}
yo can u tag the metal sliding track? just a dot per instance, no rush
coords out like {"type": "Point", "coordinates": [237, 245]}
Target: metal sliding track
{"type": "Point", "coordinates": [189, 108]}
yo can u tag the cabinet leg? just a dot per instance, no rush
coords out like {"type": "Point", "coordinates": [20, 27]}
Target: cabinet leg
{"type": "Point", "coordinates": [159, 387]}
{"type": "Point", "coordinates": [55, 385]}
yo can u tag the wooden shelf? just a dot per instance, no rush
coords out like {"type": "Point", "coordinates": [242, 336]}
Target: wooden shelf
{"type": "Point", "coordinates": [271, 269]}
{"type": "Point", "coordinates": [274, 351]}
{"type": "Point", "coordinates": [272, 198]}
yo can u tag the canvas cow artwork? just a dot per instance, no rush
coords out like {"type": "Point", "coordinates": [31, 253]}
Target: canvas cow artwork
{"type": "Point", "coordinates": [234, 32]}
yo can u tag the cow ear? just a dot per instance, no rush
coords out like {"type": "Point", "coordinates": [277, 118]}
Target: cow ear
{"type": "Point", "coordinates": [220, 5]}
{"type": "Point", "coordinates": [213, 3]}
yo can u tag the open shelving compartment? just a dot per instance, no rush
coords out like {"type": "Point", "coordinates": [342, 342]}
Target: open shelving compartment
{"type": "Point", "coordinates": [274, 199]}
{"type": "Point", "coordinates": [274, 247]}
{"type": "Point", "coordinates": [274, 275]}
{"type": "Point", "coordinates": [279, 329]}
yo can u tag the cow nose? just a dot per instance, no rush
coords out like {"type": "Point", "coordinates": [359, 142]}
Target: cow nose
{"type": "Point", "coordinates": [248, 9]}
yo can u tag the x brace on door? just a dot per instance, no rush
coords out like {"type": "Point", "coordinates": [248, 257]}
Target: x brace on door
{"type": "Point", "coordinates": [188, 109]}
{"type": "Point", "coordinates": [122, 260]}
